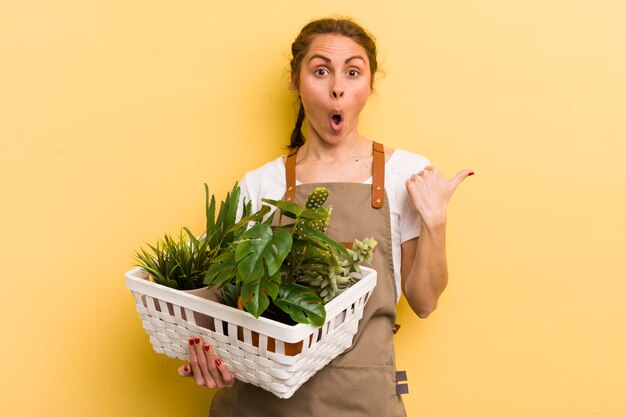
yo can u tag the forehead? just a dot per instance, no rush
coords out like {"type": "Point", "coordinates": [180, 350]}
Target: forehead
{"type": "Point", "coordinates": [336, 46]}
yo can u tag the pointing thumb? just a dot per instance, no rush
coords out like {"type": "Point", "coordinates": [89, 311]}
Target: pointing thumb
{"type": "Point", "coordinates": [460, 176]}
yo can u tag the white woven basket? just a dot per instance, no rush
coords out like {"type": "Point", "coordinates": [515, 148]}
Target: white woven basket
{"type": "Point", "coordinates": [248, 355]}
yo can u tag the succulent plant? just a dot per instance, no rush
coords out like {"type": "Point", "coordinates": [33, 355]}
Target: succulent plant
{"type": "Point", "coordinates": [331, 278]}
{"type": "Point", "coordinates": [362, 252]}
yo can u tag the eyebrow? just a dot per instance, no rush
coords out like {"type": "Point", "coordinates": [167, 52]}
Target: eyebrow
{"type": "Point", "coordinates": [326, 59]}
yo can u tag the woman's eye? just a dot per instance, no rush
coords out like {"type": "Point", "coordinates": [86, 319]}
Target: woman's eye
{"type": "Point", "coordinates": [353, 73]}
{"type": "Point", "coordinates": [321, 72]}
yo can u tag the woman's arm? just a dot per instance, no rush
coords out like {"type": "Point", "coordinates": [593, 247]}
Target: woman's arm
{"type": "Point", "coordinates": [424, 268]}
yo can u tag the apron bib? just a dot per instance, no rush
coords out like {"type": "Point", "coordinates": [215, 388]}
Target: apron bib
{"type": "Point", "coordinates": [361, 382]}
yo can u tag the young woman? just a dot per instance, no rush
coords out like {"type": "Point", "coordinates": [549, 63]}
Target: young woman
{"type": "Point", "coordinates": [392, 195]}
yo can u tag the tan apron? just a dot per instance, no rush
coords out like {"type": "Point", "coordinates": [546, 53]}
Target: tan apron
{"type": "Point", "coordinates": [362, 381]}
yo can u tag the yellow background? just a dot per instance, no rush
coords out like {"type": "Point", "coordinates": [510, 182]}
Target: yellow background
{"type": "Point", "coordinates": [114, 113]}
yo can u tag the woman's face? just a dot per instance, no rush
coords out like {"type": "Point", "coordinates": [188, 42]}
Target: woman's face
{"type": "Point", "coordinates": [334, 85]}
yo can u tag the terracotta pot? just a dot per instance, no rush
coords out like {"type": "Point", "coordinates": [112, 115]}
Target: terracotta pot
{"type": "Point", "coordinates": [202, 320]}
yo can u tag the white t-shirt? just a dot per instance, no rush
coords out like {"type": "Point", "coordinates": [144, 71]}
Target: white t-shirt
{"type": "Point", "coordinates": [268, 181]}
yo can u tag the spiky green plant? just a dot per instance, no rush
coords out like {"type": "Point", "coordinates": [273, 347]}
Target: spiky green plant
{"type": "Point", "coordinates": [221, 230]}
{"type": "Point", "coordinates": [178, 262]}
{"type": "Point", "coordinates": [181, 262]}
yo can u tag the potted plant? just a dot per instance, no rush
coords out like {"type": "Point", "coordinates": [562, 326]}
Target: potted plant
{"type": "Point", "coordinates": [181, 262]}
{"type": "Point", "coordinates": [178, 262]}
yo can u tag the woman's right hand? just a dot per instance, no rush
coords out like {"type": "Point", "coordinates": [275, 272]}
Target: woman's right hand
{"type": "Point", "coordinates": [204, 367]}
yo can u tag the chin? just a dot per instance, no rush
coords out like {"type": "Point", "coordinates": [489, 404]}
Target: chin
{"type": "Point", "coordinates": [335, 138]}
{"type": "Point", "coordinates": [331, 137]}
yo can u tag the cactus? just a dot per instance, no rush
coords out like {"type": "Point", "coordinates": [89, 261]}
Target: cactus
{"type": "Point", "coordinates": [314, 201]}
{"type": "Point", "coordinates": [317, 198]}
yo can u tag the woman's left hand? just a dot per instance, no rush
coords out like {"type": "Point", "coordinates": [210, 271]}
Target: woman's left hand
{"type": "Point", "coordinates": [430, 193]}
{"type": "Point", "coordinates": [205, 368]}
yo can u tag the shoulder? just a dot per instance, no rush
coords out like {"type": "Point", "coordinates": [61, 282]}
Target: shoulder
{"type": "Point", "coordinates": [271, 168]}
{"type": "Point", "coordinates": [266, 181]}
{"type": "Point", "coordinates": [402, 162]}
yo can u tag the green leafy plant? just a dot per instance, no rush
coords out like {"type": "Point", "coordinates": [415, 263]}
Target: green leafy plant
{"type": "Point", "coordinates": [293, 268]}
{"type": "Point", "coordinates": [223, 229]}
{"type": "Point", "coordinates": [182, 261]}
{"type": "Point", "coordinates": [177, 262]}
{"type": "Point", "coordinates": [286, 271]}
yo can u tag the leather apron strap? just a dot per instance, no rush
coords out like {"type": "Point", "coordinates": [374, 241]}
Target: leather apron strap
{"type": "Point", "coordinates": [378, 175]}
{"type": "Point", "coordinates": [290, 173]}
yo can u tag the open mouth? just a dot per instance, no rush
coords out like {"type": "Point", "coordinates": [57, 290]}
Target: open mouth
{"type": "Point", "coordinates": [336, 121]}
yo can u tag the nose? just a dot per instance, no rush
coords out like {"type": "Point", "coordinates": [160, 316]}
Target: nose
{"type": "Point", "coordinates": [337, 92]}
{"type": "Point", "coordinates": [336, 88]}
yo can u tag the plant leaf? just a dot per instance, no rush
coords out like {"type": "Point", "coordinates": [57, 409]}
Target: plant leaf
{"type": "Point", "coordinates": [260, 252]}
{"type": "Point", "coordinates": [325, 242]}
{"type": "Point", "coordinates": [249, 218]}
{"type": "Point", "coordinates": [222, 270]}
{"type": "Point", "coordinates": [255, 294]}
{"type": "Point", "coordinates": [301, 303]}
{"type": "Point", "coordinates": [210, 217]}
{"type": "Point", "coordinates": [228, 212]}
{"type": "Point", "coordinates": [291, 210]}
{"type": "Point", "coordinates": [259, 255]}
{"type": "Point", "coordinates": [232, 204]}
{"type": "Point", "coordinates": [314, 214]}
{"type": "Point", "coordinates": [229, 294]}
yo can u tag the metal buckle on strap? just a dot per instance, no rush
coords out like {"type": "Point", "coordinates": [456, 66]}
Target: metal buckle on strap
{"type": "Point", "coordinates": [401, 388]}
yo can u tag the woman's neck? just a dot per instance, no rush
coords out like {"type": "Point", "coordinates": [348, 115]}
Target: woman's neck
{"type": "Point", "coordinates": [346, 161]}
{"type": "Point", "coordinates": [317, 149]}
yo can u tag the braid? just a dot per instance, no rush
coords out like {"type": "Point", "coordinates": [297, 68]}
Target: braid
{"type": "Point", "coordinates": [297, 138]}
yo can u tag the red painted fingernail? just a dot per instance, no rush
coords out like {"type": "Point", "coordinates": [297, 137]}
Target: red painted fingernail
{"type": "Point", "coordinates": [471, 173]}
{"type": "Point", "coordinates": [191, 342]}
{"type": "Point", "coordinates": [186, 369]}
{"type": "Point", "coordinates": [218, 362]}
{"type": "Point", "coordinates": [197, 340]}
{"type": "Point", "coordinates": [207, 347]}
